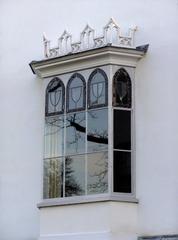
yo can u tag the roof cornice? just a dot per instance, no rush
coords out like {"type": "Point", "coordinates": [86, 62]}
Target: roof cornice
{"type": "Point", "coordinates": [106, 55]}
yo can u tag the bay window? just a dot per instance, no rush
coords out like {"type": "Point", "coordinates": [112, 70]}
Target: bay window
{"type": "Point", "coordinates": [89, 145]}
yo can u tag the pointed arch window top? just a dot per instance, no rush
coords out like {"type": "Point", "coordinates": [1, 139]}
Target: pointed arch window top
{"type": "Point", "coordinates": [76, 93]}
{"type": "Point", "coordinates": [55, 94]}
{"type": "Point", "coordinates": [122, 89]}
{"type": "Point", "coordinates": [97, 89]}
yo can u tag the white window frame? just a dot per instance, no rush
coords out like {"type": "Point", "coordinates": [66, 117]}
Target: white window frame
{"type": "Point", "coordinates": [96, 58]}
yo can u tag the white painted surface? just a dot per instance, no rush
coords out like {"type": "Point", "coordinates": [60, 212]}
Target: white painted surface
{"type": "Point", "coordinates": [22, 109]}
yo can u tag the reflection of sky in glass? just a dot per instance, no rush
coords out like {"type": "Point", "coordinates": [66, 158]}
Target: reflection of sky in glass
{"type": "Point", "coordinates": [75, 133]}
{"type": "Point", "coordinates": [52, 178]}
{"type": "Point", "coordinates": [76, 94]}
{"type": "Point", "coordinates": [75, 175]}
{"type": "Point", "coordinates": [97, 175]}
{"type": "Point", "coordinates": [97, 90]}
{"type": "Point", "coordinates": [54, 137]}
{"type": "Point", "coordinates": [97, 130]}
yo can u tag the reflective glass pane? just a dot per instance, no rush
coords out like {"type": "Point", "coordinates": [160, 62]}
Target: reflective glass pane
{"type": "Point", "coordinates": [53, 178]}
{"type": "Point", "coordinates": [97, 136]}
{"type": "Point", "coordinates": [122, 129]}
{"type": "Point", "coordinates": [75, 175]}
{"type": "Point", "coordinates": [76, 94]}
{"type": "Point", "coordinates": [97, 90]}
{"type": "Point", "coordinates": [54, 137]}
{"type": "Point", "coordinates": [97, 176]}
{"type": "Point", "coordinates": [75, 133]}
{"type": "Point", "coordinates": [122, 172]}
{"type": "Point", "coordinates": [55, 97]}
{"type": "Point", "coordinates": [122, 89]}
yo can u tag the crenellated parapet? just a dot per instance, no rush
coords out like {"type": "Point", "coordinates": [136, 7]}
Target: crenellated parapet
{"type": "Point", "coordinates": [88, 40]}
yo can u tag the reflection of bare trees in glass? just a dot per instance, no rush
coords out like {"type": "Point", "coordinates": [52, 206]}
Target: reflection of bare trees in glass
{"type": "Point", "coordinates": [97, 136]}
{"type": "Point", "coordinates": [53, 165]}
{"type": "Point", "coordinates": [53, 184]}
{"type": "Point", "coordinates": [71, 186]}
{"type": "Point", "coordinates": [98, 182]}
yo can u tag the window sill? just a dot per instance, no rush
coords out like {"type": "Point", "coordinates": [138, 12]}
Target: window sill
{"type": "Point", "coordinates": [86, 199]}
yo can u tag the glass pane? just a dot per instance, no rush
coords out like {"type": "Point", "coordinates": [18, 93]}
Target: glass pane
{"type": "Point", "coordinates": [54, 137]}
{"type": "Point", "coordinates": [97, 90]}
{"type": "Point", "coordinates": [75, 175]}
{"type": "Point", "coordinates": [122, 129]}
{"type": "Point", "coordinates": [53, 178]}
{"type": "Point", "coordinates": [97, 130]}
{"type": "Point", "coordinates": [97, 175]}
{"type": "Point", "coordinates": [122, 89]}
{"type": "Point", "coordinates": [75, 133]}
{"type": "Point", "coordinates": [55, 97]}
{"type": "Point", "coordinates": [76, 92]}
{"type": "Point", "coordinates": [122, 172]}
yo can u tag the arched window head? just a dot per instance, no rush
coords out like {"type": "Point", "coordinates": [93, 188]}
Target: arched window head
{"type": "Point", "coordinates": [55, 97]}
{"type": "Point", "coordinates": [76, 90]}
{"type": "Point", "coordinates": [122, 89]}
{"type": "Point", "coordinates": [97, 89]}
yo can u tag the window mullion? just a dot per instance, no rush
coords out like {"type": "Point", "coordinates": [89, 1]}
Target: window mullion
{"type": "Point", "coordinates": [64, 155]}
{"type": "Point", "coordinates": [86, 156]}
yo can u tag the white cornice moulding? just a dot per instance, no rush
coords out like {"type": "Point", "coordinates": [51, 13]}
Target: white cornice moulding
{"type": "Point", "coordinates": [87, 59]}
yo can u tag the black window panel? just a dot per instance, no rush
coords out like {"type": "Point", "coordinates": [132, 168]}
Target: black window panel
{"type": "Point", "coordinates": [122, 94]}
{"type": "Point", "coordinates": [122, 129]}
{"type": "Point", "coordinates": [122, 172]}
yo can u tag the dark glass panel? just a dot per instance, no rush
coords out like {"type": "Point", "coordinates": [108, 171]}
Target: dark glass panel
{"type": "Point", "coordinates": [122, 172]}
{"type": "Point", "coordinates": [97, 136]}
{"type": "Point", "coordinates": [75, 133]}
{"type": "Point", "coordinates": [54, 137]}
{"type": "Point", "coordinates": [122, 129]}
{"type": "Point", "coordinates": [122, 93]}
{"type": "Point", "coordinates": [55, 97]}
{"type": "Point", "coordinates": [76, 93]}
{"type": "Point", "coordinates": [53, 178]}
{"type": "Point", "coordinates": [97, 175]}
{"type": "Point", "coordinates": [75, 175]}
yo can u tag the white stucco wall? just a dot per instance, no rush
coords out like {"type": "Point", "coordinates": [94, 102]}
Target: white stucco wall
{"type": "Point", "coordinates": [22, 106]}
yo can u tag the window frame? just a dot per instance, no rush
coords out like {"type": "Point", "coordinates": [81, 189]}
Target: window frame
{"type": "Point", "coordinates": [46, 97]}
{"type": "Point", "coordinates": [74, 75]}
{"type": "Point", "coordinates": [110, 196]}
{"type": "Point", "coordinates": [93, 73]}
{"type": "Point", "coordinates": [131, 72]}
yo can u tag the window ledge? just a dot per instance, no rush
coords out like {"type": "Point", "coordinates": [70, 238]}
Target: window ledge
{"type": "Point", "coordinates": [86, 199]}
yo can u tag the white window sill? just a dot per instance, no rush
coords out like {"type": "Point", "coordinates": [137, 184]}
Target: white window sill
{"type": "Point", "coordinates": [87, 199]}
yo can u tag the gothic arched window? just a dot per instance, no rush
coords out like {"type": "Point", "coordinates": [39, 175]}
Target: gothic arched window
{"type": "Point", "coordinates": [122, 140]}
{"type": "Point", "coordinates": [55, 94]}
{"type": "Point", "coordinates": [122, 89]}
{"type": "Point", "coordinates": [97, 89]}
{"type": "Point", "coordinates": [76, 90]}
